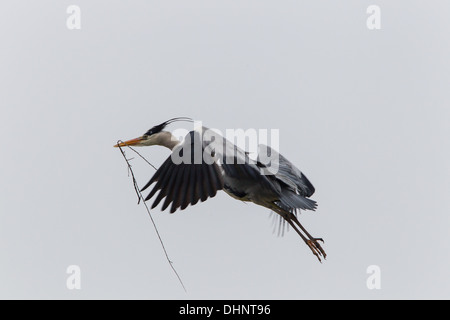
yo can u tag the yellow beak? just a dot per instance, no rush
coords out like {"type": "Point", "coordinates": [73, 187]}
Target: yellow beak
{"type": "Point", "coordinates": [131, 142]}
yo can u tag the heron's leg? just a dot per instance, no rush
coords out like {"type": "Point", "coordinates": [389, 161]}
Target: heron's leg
{"type": "Point", "coordinates": [312, 240]}
{"type": "Point", "coordinates": [312, 243]}
{"type": "Point", "coordinates": [310, 236]}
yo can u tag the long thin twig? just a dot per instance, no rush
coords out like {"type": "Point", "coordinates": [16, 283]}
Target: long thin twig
{"type": "Point", "coordinates": [141, 157]}
{"type": "Point", "coordinates": [140, 197]}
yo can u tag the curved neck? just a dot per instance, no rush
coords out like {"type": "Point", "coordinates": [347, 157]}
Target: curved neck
{"type": "Point", "coordinates": [166, 139]}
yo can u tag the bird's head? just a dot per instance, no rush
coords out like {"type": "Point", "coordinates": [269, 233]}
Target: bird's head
{"type": "Point", "coordinates": [153, 136]}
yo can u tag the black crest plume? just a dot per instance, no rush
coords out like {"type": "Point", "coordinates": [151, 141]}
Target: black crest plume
{"type": "Point", "coordinates": [160, 127]}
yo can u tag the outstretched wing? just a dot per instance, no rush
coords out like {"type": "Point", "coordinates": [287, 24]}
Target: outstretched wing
{"type": "Point", "coordinates": [187, 176]}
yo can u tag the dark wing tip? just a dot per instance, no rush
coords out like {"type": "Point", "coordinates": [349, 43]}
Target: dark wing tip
{"type": "Point", "coordinates": [185, 183]}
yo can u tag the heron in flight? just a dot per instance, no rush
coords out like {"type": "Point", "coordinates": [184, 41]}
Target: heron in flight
{"type": "Point", "coordinates": [187, 178]}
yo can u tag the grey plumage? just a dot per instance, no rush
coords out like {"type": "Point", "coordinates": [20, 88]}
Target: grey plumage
{"type": "Point", "coordinates": [222, 165]}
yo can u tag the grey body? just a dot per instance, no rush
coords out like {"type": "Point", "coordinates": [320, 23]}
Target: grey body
{"type": "Point", "coordinates": [253, 181]}
{"type": "Point", "coordinates": [224, 166]}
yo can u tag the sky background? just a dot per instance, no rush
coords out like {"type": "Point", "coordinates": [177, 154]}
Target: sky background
{"type": "Point", "coordinates": [363, 113]}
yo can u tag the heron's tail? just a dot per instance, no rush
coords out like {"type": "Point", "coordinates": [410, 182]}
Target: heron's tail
{"type": "Point", "coordinates": [291, 201]}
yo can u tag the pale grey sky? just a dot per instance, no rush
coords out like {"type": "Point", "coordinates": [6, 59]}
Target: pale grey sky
{"type": "Point", "coordinates": [363, 113]}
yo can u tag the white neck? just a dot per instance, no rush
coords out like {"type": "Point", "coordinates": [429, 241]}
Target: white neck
{"type": "Point", "coordinates": [166, 139]}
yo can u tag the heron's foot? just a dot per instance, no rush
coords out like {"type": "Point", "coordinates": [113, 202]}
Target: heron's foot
{"type": "Point", "coordinates": [316, 248]}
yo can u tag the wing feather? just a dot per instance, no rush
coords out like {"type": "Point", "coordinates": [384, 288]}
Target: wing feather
{"type": "Point", "coordinates": [185, 183]}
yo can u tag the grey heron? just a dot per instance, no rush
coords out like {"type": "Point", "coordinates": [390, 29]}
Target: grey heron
{"type": "Point", "coordinates": [224, 166]}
